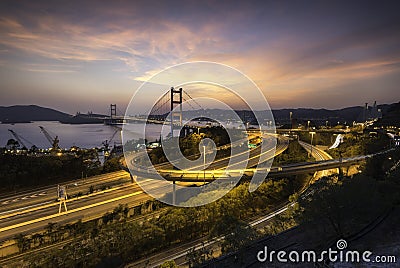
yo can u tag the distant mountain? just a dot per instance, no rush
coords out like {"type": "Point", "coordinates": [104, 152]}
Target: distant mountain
{"type": "Point", "coordinates": [300, 115]}
{"type": "Point", "coordinates": [390, 117]}
{"type": "Point", "coordinates": [348, 114]}
{"type": "Point", "coordinates": [29, 113]}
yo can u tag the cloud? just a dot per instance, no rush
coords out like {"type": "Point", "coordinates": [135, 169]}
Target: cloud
{"type": "Point", "coordinates": [50, 71]}
{"type": "Point", "coordinates": [289, 51]}
{"type": "Point", "coordinates": [140, 48]}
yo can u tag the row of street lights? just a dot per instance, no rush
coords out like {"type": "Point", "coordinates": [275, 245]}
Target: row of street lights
{"type": "Point", "coordinates": [312, 133]}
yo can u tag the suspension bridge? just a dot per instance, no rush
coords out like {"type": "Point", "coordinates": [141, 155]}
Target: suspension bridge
{"type": "Point", "coordinates": [167, 110]}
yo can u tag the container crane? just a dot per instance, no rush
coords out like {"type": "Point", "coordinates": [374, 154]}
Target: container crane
{"type": "Point", "coordinates": [20, 138]}
{"type": "Point", "coordinates": [53, 141]}
{"type": "Point", "coordinates": [106, 143]}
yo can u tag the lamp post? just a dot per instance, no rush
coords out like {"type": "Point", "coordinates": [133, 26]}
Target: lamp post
{"type": "Point", "coordinates": [312, 136]}
{"type": "Point", "coordinates": [308, 124]}
{"type": "Point", "coordinates": [204, 164]}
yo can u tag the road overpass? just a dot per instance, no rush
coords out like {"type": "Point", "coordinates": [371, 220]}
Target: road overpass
{"type": "Point", "coordinates": [216, 168]}
{"type": "Point", "coordinates": [325, 163]}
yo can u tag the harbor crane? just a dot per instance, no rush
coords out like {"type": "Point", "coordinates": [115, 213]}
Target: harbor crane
{"type": "Point", "coordinates": [20, 140]}
{"type": "Point", "coordinates": [106, 143]}
{"type": "Point", "coordinates": [53, 141]}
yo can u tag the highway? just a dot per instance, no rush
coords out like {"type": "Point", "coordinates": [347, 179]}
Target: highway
{"type": "Point", "coordinates": [252, 158]}
{"type": "Point", "coordinates": [169, 165]}
{"type": "Point", "coordinates": [179, 253]}
{"type": "Point", "coordinates": [319, 154]}
{"type": "Point", "coordinates": [98, 203]}
{"type": "Point", "coordinates": [32, 210]}
{"type": "Point", "coordinates": [84, 208]}
{"type": "Point", "coordinates": [45, 195]}
{"type": "Point", "coordinates": [216, 169]}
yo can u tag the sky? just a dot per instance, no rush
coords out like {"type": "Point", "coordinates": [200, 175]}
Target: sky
{"type": "Point", "coordinates": [84, 55]}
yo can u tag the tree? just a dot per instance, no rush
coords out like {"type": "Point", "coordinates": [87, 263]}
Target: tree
{"type": "Point", "coordinates": [237, 233]}
{"type": "Point", "coordinates": [197, 257]}
{"type": "Point", "coordinates": [23, 243]}
{"type": "Point", "coordinates": [111, 165]}
{"type": "Point", "coordinates": [169, 264]}
{"type": "Point", "coordinates": [345, 207]}
{"type": "Point", "coordinates": [37, 239]}
{"type": "Point", "coordinates": [50, 229]}
{"type": "Point", "coordinates": [12, 144]}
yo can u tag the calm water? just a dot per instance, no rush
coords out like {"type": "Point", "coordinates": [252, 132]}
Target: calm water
{"type": "Point", "coordinates": [83, 135]}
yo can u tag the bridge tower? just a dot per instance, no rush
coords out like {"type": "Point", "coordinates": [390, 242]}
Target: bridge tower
{"type": "Point", "coordinates": [113, 110]}
{"type": "Point", "coordinates": [176, 98]}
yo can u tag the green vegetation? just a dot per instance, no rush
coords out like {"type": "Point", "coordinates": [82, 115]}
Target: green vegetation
{"type": "Point", "coordinates": [169, 264]}
{"type": "Point", "coordinates": [111, 165]}
{"type": "Point", "coordinates": [293, 154]}
{"type": "Point", "coordinates": [23, 171]}
{"type": "Point", "coordinates": [189, 145]}
{"type": "Point", "coordinates": [338, 207]}
{"type": "Point", "coordinates": [196, 257]}
{"type": "Point", "coordinates": [354, 143]}
{"type": "Point", "coordinates": [320, 138]}
{"type": "Point", "coordinates": [346, 206]}
{"type": "Point", "coordinates": [237, 233]}
{"type": "Point", "coordinates": [118, 236]}
{"type": "Point", "coordinates": [333, 206]}
{"type": "Point", "coordinates": [360, 144]}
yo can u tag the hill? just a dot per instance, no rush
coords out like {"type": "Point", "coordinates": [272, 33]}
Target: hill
{"type": "Point", "coordinates": [391, 117]}
{"type": "Point", "coordinates": [29, 113]}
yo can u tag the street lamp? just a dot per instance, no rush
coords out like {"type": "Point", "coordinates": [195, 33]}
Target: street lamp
{"type": "Point", "coordinates": [312, 136]}
{"type": "Point", "coordinates": [204, 163]}
{"type": "Point", "coordinates": [308, 124]}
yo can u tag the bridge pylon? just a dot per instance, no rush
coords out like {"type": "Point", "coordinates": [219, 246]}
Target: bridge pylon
{"type": "Point", "coordinates": [176, 98]}
{"type": "Point", "coordinates": [113, 110]}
